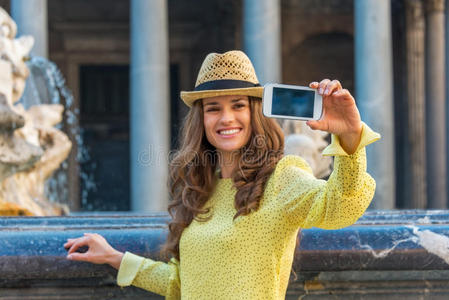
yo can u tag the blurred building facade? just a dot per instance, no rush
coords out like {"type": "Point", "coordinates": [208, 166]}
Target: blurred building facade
{"type": "Point", "coordinates": [389, 54]}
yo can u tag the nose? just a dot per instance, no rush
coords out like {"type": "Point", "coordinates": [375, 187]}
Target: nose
{"type": "Point", "coordinates": [227, 116]}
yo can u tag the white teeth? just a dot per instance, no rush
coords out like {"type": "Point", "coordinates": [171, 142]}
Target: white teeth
{"type": "Point", "coordinates": [232, 131]}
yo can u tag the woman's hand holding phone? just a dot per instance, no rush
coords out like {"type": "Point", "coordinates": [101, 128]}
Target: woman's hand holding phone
{"type": "Point", "coordinates": [99, 251]}
{"type": "Point", "coordinates": [340, 114]}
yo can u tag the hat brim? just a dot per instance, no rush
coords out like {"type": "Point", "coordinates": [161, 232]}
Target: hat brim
{"type": "Point", "coordinates": [190, 97]}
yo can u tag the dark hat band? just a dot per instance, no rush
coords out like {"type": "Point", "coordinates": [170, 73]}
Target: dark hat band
{"type": "Point", "coordinates": [224, 84]}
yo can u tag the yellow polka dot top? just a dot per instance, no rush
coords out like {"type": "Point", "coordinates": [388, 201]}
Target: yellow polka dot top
{"type": "Point", "coordinates": [251, 258]}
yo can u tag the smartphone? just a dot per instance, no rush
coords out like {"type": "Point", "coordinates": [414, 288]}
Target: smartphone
{"type": "Point", "coordinates": [291, 102]}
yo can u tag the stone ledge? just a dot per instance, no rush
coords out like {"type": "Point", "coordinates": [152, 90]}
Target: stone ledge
{"type": "Point", "coordinates": [383, 254]}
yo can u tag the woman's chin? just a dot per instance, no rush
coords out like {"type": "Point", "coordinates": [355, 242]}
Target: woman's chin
{"type": "Point", "coordinates": [229, 148]}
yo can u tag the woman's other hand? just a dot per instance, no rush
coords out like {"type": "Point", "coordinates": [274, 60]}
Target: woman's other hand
{"type": "Point", "coordinates": [99, 251]}
{"type": "Point", "coordinates": [340, 114]}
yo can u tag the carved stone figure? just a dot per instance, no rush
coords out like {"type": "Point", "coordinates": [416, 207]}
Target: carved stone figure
{"type": "Point", "coordinates": [31, 149]}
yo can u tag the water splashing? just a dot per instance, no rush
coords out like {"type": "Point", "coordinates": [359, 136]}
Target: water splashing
{"type": "Point", "coordinates": [47, 85]}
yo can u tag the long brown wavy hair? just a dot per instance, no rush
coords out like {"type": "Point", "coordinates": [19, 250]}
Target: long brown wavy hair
{"type": "Point", "coordinates": [193, 170]}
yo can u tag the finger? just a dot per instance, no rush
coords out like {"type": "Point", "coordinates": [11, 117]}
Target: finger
{"type": "Point", "coordinates": [78, 257]}
{"type": "Point", "coordinates": [314, 85]}
{"type": "Point", "coordinates": [69, 243]}
{"type": "Point", "coordinates": [343, 94]}
{"type": "Point", "coordinates": [323, 85]}
{"type": "Point", "coordinates": [80, 243]}
{"type": "Point", "coordinates": [332, 86]}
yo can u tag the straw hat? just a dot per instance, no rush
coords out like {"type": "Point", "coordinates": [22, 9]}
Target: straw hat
{"type": "Point", "coordinates": [230, 73]}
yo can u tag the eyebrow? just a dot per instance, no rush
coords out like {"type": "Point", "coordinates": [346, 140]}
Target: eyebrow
{"type": "Point", "coordinates": [216, 103]}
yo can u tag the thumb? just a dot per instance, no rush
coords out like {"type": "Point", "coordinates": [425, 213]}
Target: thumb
{"type": "Point", "coordinates": [316, 125]}
{"type": "Point", "coordinates": [77, 256]}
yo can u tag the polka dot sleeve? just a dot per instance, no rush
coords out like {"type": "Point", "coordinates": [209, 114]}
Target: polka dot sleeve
{"type": "Point", "coordinates": [368, 136]}
{"type": "Point", "coordinates": [339, 202]}
{"type": "Point", "coordinates": [155, 276]}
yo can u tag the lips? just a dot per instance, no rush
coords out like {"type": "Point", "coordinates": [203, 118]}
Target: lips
{"type": "Point", "coordinates": [229, 131]}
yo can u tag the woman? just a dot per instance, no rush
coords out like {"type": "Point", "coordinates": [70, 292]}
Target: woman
{"type": "Point", "coordinates": [238, 204]}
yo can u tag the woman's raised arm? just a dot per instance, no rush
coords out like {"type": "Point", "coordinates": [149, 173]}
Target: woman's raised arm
{"type": "Point", "coordinates": [340, 201]}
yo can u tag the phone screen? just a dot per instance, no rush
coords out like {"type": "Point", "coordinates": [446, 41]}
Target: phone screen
{"type": "Point", "coordinates": [292, 102]}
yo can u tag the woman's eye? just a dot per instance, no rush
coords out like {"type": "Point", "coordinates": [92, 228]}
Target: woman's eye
{"type": "Point", "coordinates": [239, 105]}
{"type": "Point", "coordinates": [211, 109]}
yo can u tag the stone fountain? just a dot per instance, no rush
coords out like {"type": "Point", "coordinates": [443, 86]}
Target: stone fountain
{"type": "Point", "coordinates": [31, 148]}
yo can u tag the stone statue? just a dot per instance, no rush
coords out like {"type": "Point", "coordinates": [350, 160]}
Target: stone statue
{"type": "Point", "coordinates": [307, 143]}
{"type": "Point", "coordinates": [31, 149]}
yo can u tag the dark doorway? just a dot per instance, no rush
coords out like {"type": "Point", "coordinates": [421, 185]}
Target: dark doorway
{"type": "Point", "coordinates": [104, 122]}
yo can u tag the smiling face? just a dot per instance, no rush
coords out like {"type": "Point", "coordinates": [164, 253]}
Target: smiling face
{"type": "Point", "coordinates": [227, 122]}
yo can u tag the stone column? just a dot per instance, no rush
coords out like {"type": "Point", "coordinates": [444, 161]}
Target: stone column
{"type": "Point", "coordinates": [447, 85]}
{"type": "Point", "coordinates": [150, 106]}
{"type": "Point", "coordinates": [262, 38]}
{"type": "Point", "coordinates": [415, 35]}
{"type": "Point", "coordinates": [31, 19]}
{"type": "Point", "coordinates": [436, 107]}
{"type": "Point", "coordinates": [374, 92]}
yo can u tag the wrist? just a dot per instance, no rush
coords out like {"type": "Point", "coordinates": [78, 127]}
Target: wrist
{"type": "Point", "coordinates": [353, 132]}
{"type": "Point", "coordinates": [115, 259]}
{"type": "Point", "coordinates": [350, 136]}
{"type": "Point", "coordinates": [350, 140]}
